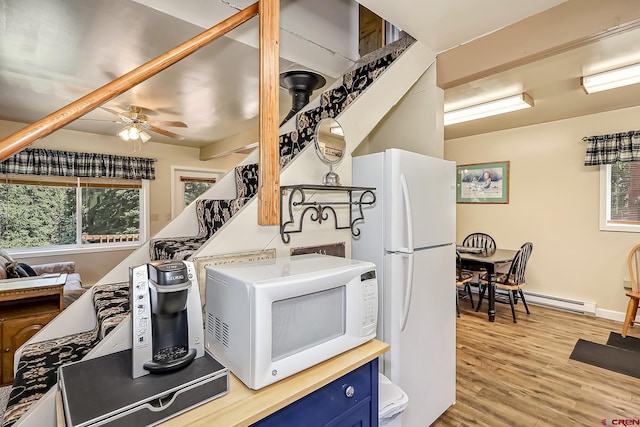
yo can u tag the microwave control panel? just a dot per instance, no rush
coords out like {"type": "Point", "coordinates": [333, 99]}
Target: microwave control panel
{"type": "Point", "coordinates": [369, 303]}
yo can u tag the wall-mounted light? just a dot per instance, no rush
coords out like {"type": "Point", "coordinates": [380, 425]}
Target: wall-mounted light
{"type": "Point", "coordinates": [491, 108]}
{"type": "Point", "coordinates": [134, 133]}
{"type": "Point", "coordinates": [611, 79]}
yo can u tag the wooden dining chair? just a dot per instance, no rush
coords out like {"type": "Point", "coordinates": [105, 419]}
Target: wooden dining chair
{"type": "Point", "coordinates": [481, 241]}
{"type": "Point", "coordinates": [633, 261]}
{"type": "Point", "coordinates": [463, 278]}
{"type": "Point", "coordinates": [512, 281]}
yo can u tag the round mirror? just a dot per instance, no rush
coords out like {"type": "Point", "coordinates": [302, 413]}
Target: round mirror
{"type": "Point", "coordinates": [330, 146]}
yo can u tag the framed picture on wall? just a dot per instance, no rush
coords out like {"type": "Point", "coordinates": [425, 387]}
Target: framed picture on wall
{"type": "Point", "coordinates": [483, 183]}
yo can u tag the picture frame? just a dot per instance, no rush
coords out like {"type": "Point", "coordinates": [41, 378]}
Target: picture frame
{"type": "Point", "coordinates": [483, 183]}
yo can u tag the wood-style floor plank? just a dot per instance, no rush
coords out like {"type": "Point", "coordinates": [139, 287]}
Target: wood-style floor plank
{"type": "Point", "coordinates": [520, 374]}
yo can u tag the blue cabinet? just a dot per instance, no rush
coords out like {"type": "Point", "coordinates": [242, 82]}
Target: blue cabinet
{"type": "Point", "coordinates": [351, 400]}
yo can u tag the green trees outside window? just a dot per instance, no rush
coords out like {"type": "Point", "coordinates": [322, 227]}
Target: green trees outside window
{"type": "Point", "coordinates": [46, 214]}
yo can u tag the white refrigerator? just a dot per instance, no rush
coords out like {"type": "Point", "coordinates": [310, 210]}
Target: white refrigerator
{"type": "Point", "coordinates": [409, 233]}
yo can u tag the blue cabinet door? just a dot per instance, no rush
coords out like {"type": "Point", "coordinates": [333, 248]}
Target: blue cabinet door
{"type": "Point", "coordinates": [351, 400]}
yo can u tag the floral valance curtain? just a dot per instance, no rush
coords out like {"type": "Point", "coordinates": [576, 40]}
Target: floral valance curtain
{"type": "Point", "coordinates": [608, 149]}
{"type": "Point", "coordinates": [37, 161]}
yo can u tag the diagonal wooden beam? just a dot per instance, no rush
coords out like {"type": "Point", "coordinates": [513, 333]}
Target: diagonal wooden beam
{"type": "Point", "coordinates": [54, 121]}
{"type": "Point", "coordinates": [269, 170]}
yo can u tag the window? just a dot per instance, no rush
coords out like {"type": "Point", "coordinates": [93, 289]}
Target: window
{"type": "Point", "coordinates": [620, 196]}
{"type": "Point", "coordinates": [188, 184]}
{"type": "Point", "coordinates": [193, 187]}
{"type": "Point", "coordinates": [47, 211]}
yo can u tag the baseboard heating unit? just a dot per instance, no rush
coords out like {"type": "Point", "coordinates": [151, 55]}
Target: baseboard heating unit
{"type": "Point", "coordinates": [574, 306]}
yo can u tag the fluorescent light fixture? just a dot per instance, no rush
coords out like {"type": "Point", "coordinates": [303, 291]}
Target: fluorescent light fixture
{"type": "Point", "coordinates": [611, 79]}
{"type": "Point", "coordinates": [491, 108]}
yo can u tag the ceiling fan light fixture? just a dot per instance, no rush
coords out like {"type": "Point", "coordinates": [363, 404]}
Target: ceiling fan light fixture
{"type": "Point", "coordinates": [124, 133]}
{"type": "Point", "coordinates": [487, 109]}
{"type": "Point", "coordinates": [611, 79]}
{"type": "Point", "coordinates": [134, 133]}
{"type": "Point", "coordinates": [137, 125]}
{"type": "Point", "coordinates": [144, 137]}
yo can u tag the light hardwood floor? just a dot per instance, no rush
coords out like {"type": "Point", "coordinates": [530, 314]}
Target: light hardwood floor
{"type": "Point", "coordinates": [520, 374]}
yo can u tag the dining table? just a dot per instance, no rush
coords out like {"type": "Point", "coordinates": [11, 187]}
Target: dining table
{"type": "Point", "coordinates": [489, 260]}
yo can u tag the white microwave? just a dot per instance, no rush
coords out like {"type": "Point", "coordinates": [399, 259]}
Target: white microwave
{"type": "Point", "coordinates": [271, 319]}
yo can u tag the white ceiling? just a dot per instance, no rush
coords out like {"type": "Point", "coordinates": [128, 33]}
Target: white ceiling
{"type": "Point", "coordinates": [53, 52]}
{"type": "Point", "coordinates": [581, 37]}
{"type": "Point", "coordinates": [442, 25]}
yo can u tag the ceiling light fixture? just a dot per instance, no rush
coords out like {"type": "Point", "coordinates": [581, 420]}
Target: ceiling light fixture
{"type": "Point", "coordinates": [491, 108]}
{"type": "Point", "coordinates": [133, 132]}
{"type": "Point", "coordinates": [611, 79]}
{"type": "Point", "coordinates": [336, 130]}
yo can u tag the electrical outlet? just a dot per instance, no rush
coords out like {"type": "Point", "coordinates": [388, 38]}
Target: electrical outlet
{"type": "Point", "coordinates": [154, 217]}
{"type": "Point", "coordinates": [626, 283]}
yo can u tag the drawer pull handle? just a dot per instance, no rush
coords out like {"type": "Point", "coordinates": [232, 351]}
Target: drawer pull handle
{"type": "Point", "coordinates": [7, 350]}
{"type": "Point", "coordinates": [350, 391]}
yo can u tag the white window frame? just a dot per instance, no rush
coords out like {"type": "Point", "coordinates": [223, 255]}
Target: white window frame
{"type": "Point", "coordinates": [605, 205]}
{"type": "Point", "coordinates": [177, 189]}
{"type": "Point", "coordinates": [94, 247]}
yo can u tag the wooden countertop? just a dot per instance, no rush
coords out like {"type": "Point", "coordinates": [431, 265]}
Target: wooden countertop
{"type": "Point", "coordinates": [243, 406]}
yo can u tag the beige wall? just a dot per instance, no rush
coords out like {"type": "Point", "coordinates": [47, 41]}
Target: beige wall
{"type": "Point", "coordinates": [413, 124]}
{"type": "Point", "coordinates": [554, 203]}
{"type": "Point", "coordinates": [92, 266]}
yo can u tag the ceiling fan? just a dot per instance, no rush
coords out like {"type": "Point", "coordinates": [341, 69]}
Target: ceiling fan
{"type": "Point", "coordinates": [137, 123]}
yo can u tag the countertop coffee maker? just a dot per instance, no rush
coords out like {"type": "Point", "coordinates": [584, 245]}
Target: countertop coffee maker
{"type": "Point", "coordinates": [166, 315]}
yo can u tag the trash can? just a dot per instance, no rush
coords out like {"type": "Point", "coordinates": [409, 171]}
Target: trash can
{"type": "Point", "coordinates": [392, 401]}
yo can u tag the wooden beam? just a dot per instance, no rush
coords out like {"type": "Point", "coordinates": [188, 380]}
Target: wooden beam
{"type": "Point", "coordinates": [54, 121]}
{"type": "Point", "coordinates": [269, 170]}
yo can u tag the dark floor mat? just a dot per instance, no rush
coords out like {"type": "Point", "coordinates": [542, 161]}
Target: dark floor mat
{"type": "Point", "coordinates": [628, 343]}
{"type": "Point", "coordinates": [604, 356]}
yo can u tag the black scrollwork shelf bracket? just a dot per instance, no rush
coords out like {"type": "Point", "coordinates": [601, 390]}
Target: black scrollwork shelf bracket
{"type": "Point", "coordinates": [319, 210]}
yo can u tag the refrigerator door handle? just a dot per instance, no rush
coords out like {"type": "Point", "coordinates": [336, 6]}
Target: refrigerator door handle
{"type": "Point", "coordinates": [408, 289]}
{"type": "Point", "coordinates": [407, 214]}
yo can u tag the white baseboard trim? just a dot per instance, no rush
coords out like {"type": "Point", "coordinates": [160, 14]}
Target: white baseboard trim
{"type": "Point", "coordinates": [613, 315]}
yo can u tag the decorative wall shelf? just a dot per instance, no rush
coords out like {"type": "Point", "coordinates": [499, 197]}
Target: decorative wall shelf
{"type": "Point", "coordinates": [299, 197]}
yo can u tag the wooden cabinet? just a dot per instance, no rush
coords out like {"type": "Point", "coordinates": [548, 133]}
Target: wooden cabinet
{"type": "Point", "coordinates": [26, 306]}
{"type": "Point", "coordinates": [318, 390]}
{"type": "Point", "coordinates": [351, 400]}
{"type": "Point", "coordinates": [14, 333]}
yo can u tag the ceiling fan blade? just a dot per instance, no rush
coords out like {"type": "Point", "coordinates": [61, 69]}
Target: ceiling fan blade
{"type": "Point", "coordinates": [124, 118]}
{"type": "Point", "coordinates": [101, 120]}
{"type": "Point", "coordinates": [169, 124]}
{"type": "Point", "coordinates": [165, 133]}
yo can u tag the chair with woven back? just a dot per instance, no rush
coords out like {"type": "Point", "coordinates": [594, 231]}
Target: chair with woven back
{"type": "Point", "coordinates": [633, 261]}
{"type": "Point", "coordinates": [463, 278]}
{"type": "Point", "coordinates": [512, 281]}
